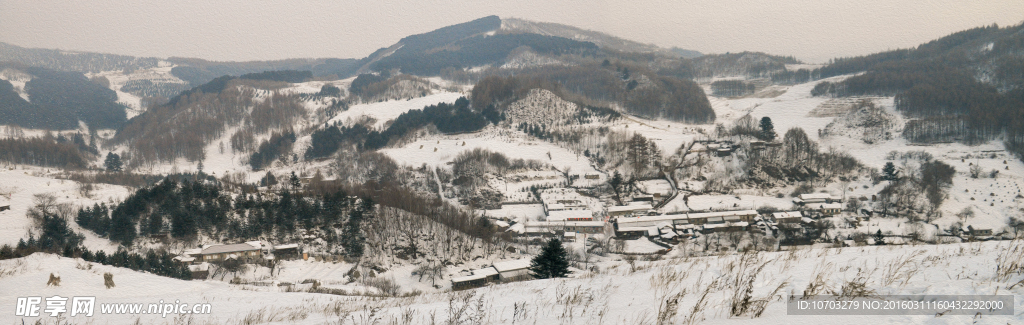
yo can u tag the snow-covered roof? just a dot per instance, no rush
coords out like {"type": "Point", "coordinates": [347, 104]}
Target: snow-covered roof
{"type": "Point", "coordinates": [815, 196]}
{"type": "Point", "coordinates": [512, 265]}
{"type": "Point", "coordinates": [193, 251]}
{"type": "Point", "coordinates": [469, 278]}
{"type": "Point", "coordinates": [201, 267]}
{"type": "Point", "coordinates": [829, 206]}
{"type": "Point", "coordinates": [255, 243]}
{"type": "Point", "coordinates": [723, 214]}
{"type": "Point", "coordinates": [184, 258]}
{"type": "Point", "coordinates": [718, 216]}
{"type": "Point", "coordinates": [564, 223]}
{"type": "Point", "coordinates": [487, 271]}
{"type": "Point", "coordinates": [217, 249]}
{"type": "Point", "coordinates": [286, 246]}
{"type": "Point", "coordinates": [634, 206]}
{"type": "Point", "coordinates": [569, 215]}
{"type": "Point", "coordinates": [787, 215]}
{"type": "Point", "coordinates": [569, 234]}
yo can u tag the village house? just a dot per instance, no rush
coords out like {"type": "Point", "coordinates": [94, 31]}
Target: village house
{"type": "Point", "coordinates": [828, 209]}
{"type": "Point", "coordinates": [636, 232]}
{"type": "Point", "coordinates": [200, 271]}
{"type": "Point", "coordinates": [571, 215]}
{"type": "Point", "coordinates": [217, 253]}
{"type": "Point", "coordinates": [507, 271]}
{"type": "Point", "coordinates": [706, 222]}
{"type": "Point", "coordinates": [815, 198]}
{"type": "Point", "coordinates": [634, 208]}
{"type": "Point", "coordinates": [287, 252]}
{"type": "Point", "coordinates": [562, 199]}
{"type": "Point", "coordinates": [550, 227]}
{"type": "Point", "coordinates": [513, 270]}
{"type": "Point", "coordinates": [787, 217]}
{"type": "Point", "coordinates": [978, 232]}
{"type": "Point", "coordinates": [476, 279]}
{"type": "Point", "coordinates": [5, 204]}
{"type": "Point", "coordinates": [468, 282]}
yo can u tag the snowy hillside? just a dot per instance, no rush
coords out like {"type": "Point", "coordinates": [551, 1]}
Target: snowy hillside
{"type": "Point", "coordinates": [700, 290]}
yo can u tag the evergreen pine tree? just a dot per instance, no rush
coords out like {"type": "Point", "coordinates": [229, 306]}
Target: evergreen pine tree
{"type": "Point", "coordinates": [767, 129]}
{"type": "Point", "coordinates": [889, 171]}
{"type": "Point", "coordinates": [552, 261]}
{"type": "Point", "coordinates": [879, 238]}
{"type": "Point", "coordinates": [294, 180]}
{"type": "Point", "coordinates": [113, 162]}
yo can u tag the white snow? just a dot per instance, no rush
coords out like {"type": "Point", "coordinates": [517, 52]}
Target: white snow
{"type": "Point", "coordinates": [19, 184]}
{"type": "Point", "coordinates": [389, 110]}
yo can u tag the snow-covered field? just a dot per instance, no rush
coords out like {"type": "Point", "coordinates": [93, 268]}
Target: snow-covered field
{"type": "Point", "coordinates": [437, 150]}
{"type": "Point", "coordinates": [19, 185]}
{"type": "Point", "coordinates": [386, 111]}
{"type": "Point", "coordinates": [702, 290]}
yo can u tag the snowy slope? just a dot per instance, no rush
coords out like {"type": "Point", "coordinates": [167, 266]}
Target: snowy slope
{"type": "Point", "coordinates": [21, 184]}
{"type": "Point", "coordinates": [619, 293]}
{"type": "Point", "coordinates": [389, 110]}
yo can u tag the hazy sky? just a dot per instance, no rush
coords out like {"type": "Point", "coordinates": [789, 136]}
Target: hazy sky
{"type": "Point", "coordinates": [236, 30]}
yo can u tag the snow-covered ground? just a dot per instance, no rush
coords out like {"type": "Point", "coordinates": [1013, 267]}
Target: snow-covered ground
{"type": "Point", "coordinates": [386, 111]}
{"type": "Point", "coordinates": [619, 292]}
{"type": "Point", "coordinates": [20, 184]}
{"type": "Point", "coordinates": [439, 149]}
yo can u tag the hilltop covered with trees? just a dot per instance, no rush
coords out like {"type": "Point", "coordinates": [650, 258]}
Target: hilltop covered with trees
{"type": "Point", "coordinates": [58, 100]}
{"type": "Point", "coordinates": [967, 86]}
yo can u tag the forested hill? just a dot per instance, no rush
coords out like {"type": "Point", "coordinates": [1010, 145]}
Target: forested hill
{"type": "Point", "coordinates": [58, 100]}
{"type": "Point", "coordinates": [466, 45]}
{"type": "Point", "coordinates": [968, 86]}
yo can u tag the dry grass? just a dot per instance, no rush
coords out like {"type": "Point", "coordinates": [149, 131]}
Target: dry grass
{"type": "Point", "coordinates": [901, 269]}
{"type": "Point", "coordinates": [1010, 261]}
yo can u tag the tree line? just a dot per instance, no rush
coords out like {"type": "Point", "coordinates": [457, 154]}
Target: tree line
{"type": "Point", "coordinates": [44, 151]}
{"type": "Point", "coordinates": [187, 208]}
{"type": "Point", "coordinates": [457, 117]}
{"type": "Point", "coordinates": [56, 237]}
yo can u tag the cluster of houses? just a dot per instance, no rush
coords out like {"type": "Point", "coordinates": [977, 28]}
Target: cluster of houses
{"type": "Point", "coordinates": [500, 272]}
{"type": "Point", "coordinates": [199, 259]}
{"type": "Point", "coordinates": [569, 216]}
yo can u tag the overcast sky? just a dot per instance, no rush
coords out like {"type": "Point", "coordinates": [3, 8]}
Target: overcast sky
{"type": "Point", "coordinates": [236, 30]}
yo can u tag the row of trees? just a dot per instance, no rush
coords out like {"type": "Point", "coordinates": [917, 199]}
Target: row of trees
{"type": "Point", "coordinates": [43, 151]}
{"type": "Point", "coordinates": [731, 88]}
{"type": "Point", "coordinates": [457, 117]}
{"type": "Point", "coordinates": [50, 218]}
{"type": "Point", "coordinates": [187, 208]}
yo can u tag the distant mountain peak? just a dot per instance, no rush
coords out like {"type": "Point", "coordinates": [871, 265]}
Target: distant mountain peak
{"type": "Point", "coordinates": [602, 40]}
